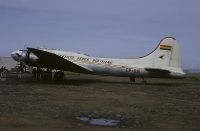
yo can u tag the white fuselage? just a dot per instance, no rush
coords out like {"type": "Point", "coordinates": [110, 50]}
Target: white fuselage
{"type": "Point", "coordinates": [111, 66]}
{"type": "Point", "coordinates": [164, 61]}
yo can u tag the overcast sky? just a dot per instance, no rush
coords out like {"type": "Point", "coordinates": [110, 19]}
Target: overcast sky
{"type": "Point", "coordinates": [107, 28]}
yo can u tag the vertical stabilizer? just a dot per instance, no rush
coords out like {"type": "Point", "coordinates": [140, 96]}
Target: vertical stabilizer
{"type": "Point", "coordinates": [167, 54]}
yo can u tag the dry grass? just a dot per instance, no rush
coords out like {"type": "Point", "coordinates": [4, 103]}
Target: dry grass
{"type": "Point", "coordinates": [162, 104]}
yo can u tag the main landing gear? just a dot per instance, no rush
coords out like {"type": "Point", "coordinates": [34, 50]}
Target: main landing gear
{"type": "Point", "coordinates": [143, 80]}
{"type": "Point", "coordinates": [132, 80]}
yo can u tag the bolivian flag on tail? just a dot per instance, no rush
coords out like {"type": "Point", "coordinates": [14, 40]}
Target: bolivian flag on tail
{"type": "Point", "coordinates": [165, 47]}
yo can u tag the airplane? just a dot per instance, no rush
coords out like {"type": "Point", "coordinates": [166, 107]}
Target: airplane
{"type": "Point", "coordinates": [162, 62]}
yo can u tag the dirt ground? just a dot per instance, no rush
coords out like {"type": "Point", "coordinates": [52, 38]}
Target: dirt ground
{"type": "Point", "coordinates": [161, 104]}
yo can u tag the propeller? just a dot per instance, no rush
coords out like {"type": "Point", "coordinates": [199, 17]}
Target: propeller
{"type": "Point", "coordinates": [23, 55]}
{"type": "Point", "coordinates": [22, 59]}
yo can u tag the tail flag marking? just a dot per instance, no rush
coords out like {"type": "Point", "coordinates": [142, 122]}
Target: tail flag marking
{"type": "Point", "coordinates": [166, 47]}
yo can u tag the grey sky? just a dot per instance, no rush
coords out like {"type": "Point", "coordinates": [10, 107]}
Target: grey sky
{"type": "Point", "coordinates": [108, 28]}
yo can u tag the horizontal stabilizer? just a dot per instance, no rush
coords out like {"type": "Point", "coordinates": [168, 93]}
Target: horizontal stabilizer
{"type": "Point", "coordinates": [159, 71]}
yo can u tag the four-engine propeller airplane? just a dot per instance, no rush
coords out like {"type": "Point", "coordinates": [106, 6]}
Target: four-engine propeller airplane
{"type": "Point", "coordinates": [162, 62]}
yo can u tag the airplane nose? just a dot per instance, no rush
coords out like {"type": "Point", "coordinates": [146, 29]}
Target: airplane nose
{"type": "Point", "coordinates": [15, 56]}
{"type": "Point", "coordinates": [12, 54]}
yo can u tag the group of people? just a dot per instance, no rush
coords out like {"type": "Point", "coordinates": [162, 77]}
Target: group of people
{"type": "Point", "coordinates": [2, 69]}
{"type": "Point", "coordinates": [3, 72]}
{"type": "Point", "coordinates": [47, 74]}
{"type": "Point", "coordinates": [38, 73]}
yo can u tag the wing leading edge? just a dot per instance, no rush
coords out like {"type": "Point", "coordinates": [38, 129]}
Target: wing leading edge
{"type": "Point", "coordinates": [54, 61]}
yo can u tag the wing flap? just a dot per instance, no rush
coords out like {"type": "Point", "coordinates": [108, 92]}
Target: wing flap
{"type": "Point", "coordinates": [54, 61]}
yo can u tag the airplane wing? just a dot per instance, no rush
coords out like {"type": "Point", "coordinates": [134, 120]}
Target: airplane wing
{"type": "Point", "coordinates": [54, 61]}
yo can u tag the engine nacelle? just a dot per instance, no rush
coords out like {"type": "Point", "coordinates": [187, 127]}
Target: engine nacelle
{"type": "Point", "coordinates": [32, 57]}
{"type": "Point", "coordinates": [24, 56]}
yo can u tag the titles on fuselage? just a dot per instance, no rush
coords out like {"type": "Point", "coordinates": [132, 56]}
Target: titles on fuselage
{"type": "Point", "coordinates": [87, 60]}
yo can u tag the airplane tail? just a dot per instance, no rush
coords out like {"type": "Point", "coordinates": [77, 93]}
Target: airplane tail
{"type": "Point", "coordinates": [166, 54]}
